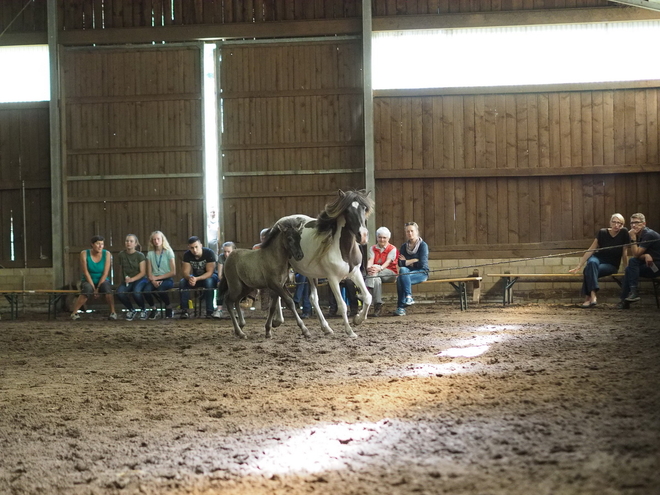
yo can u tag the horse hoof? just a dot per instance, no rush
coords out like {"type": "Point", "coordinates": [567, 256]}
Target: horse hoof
{"type": "Point", "coordinates": [241, 335]}
{"type": "Point", "coordinates": [276, 323]}
{"type": "Point", "coordinates": [359, 318]}
{"type": "Point", "coordinates": [269, 335]}
{"type": "Point", "coordinates": [353, 335]}
{"type": "Point", "coordinates": [306, 334]}
{"type": "Point", "coordinates": [328, 331]}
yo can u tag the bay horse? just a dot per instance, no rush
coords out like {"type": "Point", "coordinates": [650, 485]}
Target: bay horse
{"type": "Point", "coordinates": [330, 244]}
{"type": "Point", "coordinates": [264, 268]}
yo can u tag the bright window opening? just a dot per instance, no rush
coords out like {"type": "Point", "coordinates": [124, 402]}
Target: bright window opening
{"type": "Point", "coordinates": [512, 56]}
{"type": "Point", "coordinates": [25, 74]}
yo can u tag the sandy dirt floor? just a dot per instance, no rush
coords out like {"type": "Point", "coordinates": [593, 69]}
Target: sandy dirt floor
{"type": "Point", "coordinates": [529, 399]}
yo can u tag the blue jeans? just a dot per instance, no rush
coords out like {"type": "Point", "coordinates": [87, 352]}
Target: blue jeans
{"type": "Point", "coordinates": [161, 292]}
{"type": "Point", "coordinates": [209, 284]}
{"type": "Point", "coordinates": [593, 270]}
{"type": "Point", "coordinates": [134, 288]}
{"type": "Point", "coordinates": [301, 296]}
{"type": "Point", "coordinates": [636, 268]}
{"type": "Point", "coordinates": [404, 282]}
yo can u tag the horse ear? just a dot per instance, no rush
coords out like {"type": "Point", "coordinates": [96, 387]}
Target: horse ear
{"type": "Point", "coordinates": [341, 193]}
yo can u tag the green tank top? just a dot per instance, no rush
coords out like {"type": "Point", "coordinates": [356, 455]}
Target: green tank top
{"type": "Point", "coordinates": [95, 269]}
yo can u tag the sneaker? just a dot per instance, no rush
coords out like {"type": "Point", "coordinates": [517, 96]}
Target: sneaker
{"type": "Point", "coordinates": [399, 312]}
{"type": "Point", "coordinates": [153, 314]}
{"type": "Point", "coordinates": [130, 315]}
{"type": "Point", "coordinates": [304, 316]}
{"type": "Point", "coordinates": [623, 305]}
{"type": "Point", "coordinates": [209, 315]}
{"type": "Point", "coordinates": [113, 316]}
{"type": "Point", "coordinates": [169, 313]}
{"type": "Point", "coordinates": [217, 314]}
{"type": "Point", "coordinates": [75, 316]}
{"type": "Point", "coordinates": [378, 309]}
{"type": "Point", "coordinates": [633, 296]}
{"type": "Point", "coordinates": [408, 301]}
{"type": "Point", "coordinates": [184, 315]}
{"type": "Point", "coordinates": [144, 314]}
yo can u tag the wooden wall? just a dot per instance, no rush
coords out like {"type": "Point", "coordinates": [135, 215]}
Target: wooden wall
{"type": "Point", "coordinates": [25, 185]}
{"type": "Point", "coordinates": [293, 131]}
{"type": "Point", "coordinates": [133, 146]}
{"type": "Point", "coordinates": [515, 173]}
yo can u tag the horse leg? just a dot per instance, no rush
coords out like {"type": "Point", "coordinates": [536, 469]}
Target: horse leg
{"type": "Point", "coordinates": [288, 300]}
{"type": "Point", "coordinates": [279, 317]}
{"type": "Point", "coordinates": [232, 307]}
{"type": "Point", "coordinates": [270, 322]}
{"type": "Point", "coordinates": [314, 299]}
{"type": "Point", "coordinates": [358, 279]}
{"type": "Point", "coordinates": [341, 306]}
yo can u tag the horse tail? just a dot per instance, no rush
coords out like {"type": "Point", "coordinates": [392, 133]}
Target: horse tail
{"type": "Point", "coordinates": [223, 288]}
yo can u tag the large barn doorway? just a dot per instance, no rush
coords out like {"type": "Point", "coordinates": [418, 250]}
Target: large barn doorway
{"type": "Point", "coordinates": [291, 129]}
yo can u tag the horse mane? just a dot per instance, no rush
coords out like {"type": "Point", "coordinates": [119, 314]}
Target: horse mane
{"type": "Point", "coordinates": [290, 222]}
{"type": "Point", "coordinates": [326, 222]}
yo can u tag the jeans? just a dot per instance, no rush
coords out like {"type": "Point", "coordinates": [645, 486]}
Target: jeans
{"type": "Point", "coordinates": [593, 270]}
{"type": "Point", "coordinates": [134, 288]}
{"type": "Point", "coordinates": [161, 292]}
{"type": "Point", "coordinates": [301, 296]}
{"type": "Point", "coordinates": [634, 270]}
{"type": "Point", "coordinates": [404, 282]}
{"type": "Point", "coordinates": [351, 294]}
{"type": "Point", "coordinates": [209, 284]}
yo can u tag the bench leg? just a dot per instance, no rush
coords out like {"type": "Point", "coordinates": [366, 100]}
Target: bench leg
{"type": "Point", "coordinates": [656, 291]}
{"type": "Point", "coordinates": [13, 305]}
{"type": "Point", "coordinates": [509, 282]}
{"type": "Point", "coordinates": [462, 293]}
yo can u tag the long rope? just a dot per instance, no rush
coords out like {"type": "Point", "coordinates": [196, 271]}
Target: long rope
{"type": "Point", "coordinates": [16, 17]}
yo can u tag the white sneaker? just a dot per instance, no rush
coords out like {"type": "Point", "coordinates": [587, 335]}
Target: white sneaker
{"type": "Point", "coordinates": [113, 316]}
{"type": "Point", "coordinates": [144, 314]}
{"type": "Point", "coordinates": [130, 315]}
{"type": "Point", "coordinates": [75, 316]}
{"type": "Point", "coordinates": [217, 314]}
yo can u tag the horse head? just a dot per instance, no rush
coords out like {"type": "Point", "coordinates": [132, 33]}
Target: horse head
{"type": "Point", "coordinates": [291, 227]}
{"type": "Point", "coordinates": [356, 206]}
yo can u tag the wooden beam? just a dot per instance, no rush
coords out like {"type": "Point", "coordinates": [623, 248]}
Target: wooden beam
{"type": "Point", "coordinates": [532, 88]}
{"type": "Point", "coordinates": [15, 39]}
{"type": "Point", "coordinates": [644, 4]}
{"type": "Point", "coordinates": [208, 32]}
{"type": "Point", "coordinates": [513, 18]}
{"type": "Point", "coordinates": [398, 174]}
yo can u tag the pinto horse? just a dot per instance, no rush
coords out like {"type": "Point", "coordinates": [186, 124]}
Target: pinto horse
{"type": "Point", "coordinates": [330, 244]}
{"type": "Point", "coordinates": [265, 268]}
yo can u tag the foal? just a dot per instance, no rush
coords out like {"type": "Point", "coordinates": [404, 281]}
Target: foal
{"type": "Point", "coordinates": [265, 268]}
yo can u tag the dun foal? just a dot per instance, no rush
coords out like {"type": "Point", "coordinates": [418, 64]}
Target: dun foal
{"type": "Point", "coordinates": [265, 268]}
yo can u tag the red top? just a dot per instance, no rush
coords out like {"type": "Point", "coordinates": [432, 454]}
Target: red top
{"type": "Point", "coordinates": [380, 257]}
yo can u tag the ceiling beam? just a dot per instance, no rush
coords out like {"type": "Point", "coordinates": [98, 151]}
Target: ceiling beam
{"type": "Point", "coordinates": [645, 4]}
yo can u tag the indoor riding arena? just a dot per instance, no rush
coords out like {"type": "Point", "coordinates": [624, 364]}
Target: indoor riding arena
{"type": "Point", "coordinates": [519, 138]}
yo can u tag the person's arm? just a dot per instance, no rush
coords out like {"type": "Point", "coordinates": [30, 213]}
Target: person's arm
{"type": "Point", "coordinates": [587, 254]}
{"type": "Point", "coordinates": [208, 271]}
{"type": "Point", "coordinates": [85, 270]}
{"type": "Point", "coordinates": [186, 269]}
{"type": "Point", "coordinates": [423, 253]}
{"type": "Point", "coordinates": [220, 267]}
{"type": "Point", "coordinates": [106, 268]}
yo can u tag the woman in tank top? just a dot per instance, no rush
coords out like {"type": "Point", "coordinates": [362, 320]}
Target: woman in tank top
{"type": "Point", "coordinates": [95, 267]}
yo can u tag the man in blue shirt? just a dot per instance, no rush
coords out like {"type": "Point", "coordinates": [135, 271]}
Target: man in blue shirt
{"type": "Point", "coordinates": [645, 251]}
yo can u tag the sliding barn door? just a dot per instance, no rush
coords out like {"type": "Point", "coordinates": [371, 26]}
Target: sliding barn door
{"type": "Point", "coordinates": [133, 155]}
{"type": "Point", "coordinates": [292, 130]}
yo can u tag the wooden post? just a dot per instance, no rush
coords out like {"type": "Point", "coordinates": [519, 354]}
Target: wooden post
{"type": "Point", "coordinates": [476, 287]}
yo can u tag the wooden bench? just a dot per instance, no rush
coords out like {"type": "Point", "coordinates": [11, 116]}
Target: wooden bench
{"type": "Point", "coordinates": [460, 285]}
{"type": "Point", "coordinates": [510, 280]}
{"type": "Point", "coordinates": [54, 296]}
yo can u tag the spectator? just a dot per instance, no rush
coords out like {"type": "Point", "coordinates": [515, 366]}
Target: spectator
{"type": "Point", "coordinates": [199, 272]}
{"type": "Point", "coordinates": [413, 267]}
{"type": "Point", "coordinates": [606, 262]}
{"type": "Point", "coordinates": [382, 266]}
{"type": "Point", "coordinates": [161, 270]}
{"type": "Point", "coordinates": [133, 266]}
{"type": "Point", "coordinates": [645, 251]}
{"type": "Point", "coordinates": [95, 268]}
{"type": "Point", "coordinates": [225, 251]}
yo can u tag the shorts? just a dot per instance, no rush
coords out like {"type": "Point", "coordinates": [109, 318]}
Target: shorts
{"type": "Point", "coordinates": [86, 289]}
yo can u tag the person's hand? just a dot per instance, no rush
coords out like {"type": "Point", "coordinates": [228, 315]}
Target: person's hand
{"type": "Point", "coordinates": [648, 259]}
{"type": "Point", "coordinates": [192, 281]}
{"type": "Point", "coordinates": [574, 270]}
{"type": "Point", "coordinates": [96, 292]}
{"type": "Point", "coordinates": [127, 279]}
{"type": "Point", "coordinates": [401, 257]}
{"type": "Point", "coordinates": [156, 283]}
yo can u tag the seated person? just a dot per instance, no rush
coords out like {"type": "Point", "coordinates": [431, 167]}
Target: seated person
{"type": "Point", "coordinates": [645, 251]}
{"type": "Point", "coordinates": [301, 296]}
{"type": "Point", "coordinates": [606, 262]}
{"type": "Point", "coordinates": [133, 266]}
{"type": "Point", "coordinates": [382, 266]}
{"type": "Point", "coordinates": [95, 268]}
{"type": "Point", "coordinates": [198, 273]}
{"type": "Point", "coordinates": [161, 269]}
{"type": "Point", "coordinates": [351, 294]}
{"type": "Point", "coordinates": [413, 267]}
